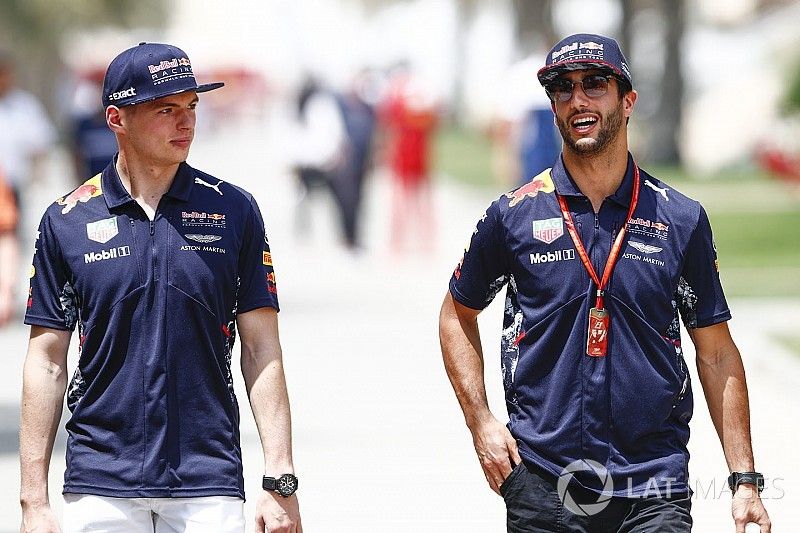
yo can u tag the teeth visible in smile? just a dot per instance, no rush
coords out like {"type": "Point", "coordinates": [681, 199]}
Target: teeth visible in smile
{"type": "Point", "coordinates": [588, 121]}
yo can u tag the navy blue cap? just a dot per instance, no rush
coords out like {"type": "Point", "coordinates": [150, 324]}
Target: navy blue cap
{"type": "Point", "coordinates": [584, 51]}
{"type": "Point", "coordinates": [147, 72]}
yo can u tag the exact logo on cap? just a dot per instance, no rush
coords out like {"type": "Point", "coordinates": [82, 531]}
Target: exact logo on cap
{"type": "Point", "coordinates": [119, 95]}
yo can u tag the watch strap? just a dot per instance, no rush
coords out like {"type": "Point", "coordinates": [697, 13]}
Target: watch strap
{"type": "Point", "coordinates": [752, 478]}
{"type": "Point", "coordinates": [269, 483]}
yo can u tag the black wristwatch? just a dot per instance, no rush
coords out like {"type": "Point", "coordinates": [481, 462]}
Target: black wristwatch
{"type": "Point", "coordinates": [753, 478]}
{"type": "Point", "coordinates": [286, 485]}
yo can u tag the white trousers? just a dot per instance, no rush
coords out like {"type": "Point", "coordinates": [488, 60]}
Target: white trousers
{"type": "Point", "coordinates": [213, 514]}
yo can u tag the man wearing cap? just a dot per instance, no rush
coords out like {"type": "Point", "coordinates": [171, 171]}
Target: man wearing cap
{"type": "Point", "coordinates": [601, 259]}
{"type": "Point", "coordinates": [157, 264]}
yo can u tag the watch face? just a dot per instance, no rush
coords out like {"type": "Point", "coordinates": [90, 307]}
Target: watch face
{"type": "Point", "coordinates": [287, 485]}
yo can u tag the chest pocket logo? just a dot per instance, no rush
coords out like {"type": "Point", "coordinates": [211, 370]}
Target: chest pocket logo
{"type": "Point", "coordinates": [548, 230]}
{"type": "Point", "coordinates": [102, 231]}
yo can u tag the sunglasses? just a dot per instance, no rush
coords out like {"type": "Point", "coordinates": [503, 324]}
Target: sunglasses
{"type": "Point", "coordinates": [594, 86]}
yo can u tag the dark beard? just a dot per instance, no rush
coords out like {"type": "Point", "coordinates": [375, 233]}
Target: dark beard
{"type": "Point", "coordinates": [610, 126]}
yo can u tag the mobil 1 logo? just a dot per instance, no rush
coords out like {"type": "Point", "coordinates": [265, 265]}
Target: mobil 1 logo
{"type": "Point", "coordinates": [552, 256]}
{"type": "Point", "coordinates": [103, 255]}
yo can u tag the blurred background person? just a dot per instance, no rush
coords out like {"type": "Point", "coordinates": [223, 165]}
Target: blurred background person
{"type": "Point", "coordinates": [92, 143]}
{"type": "Point", "coordinates": [538, 144]}
{"type": "Point", "coordinates": [524, 132]}
{"type": "Point", "coordinates": [357, 106]}
{"type": "Point", "coordinates": [410, 117]}
{"type": "Point", "coordinates": [26, 133]}
{"type": "Point", "coordinates": [319, 148]}
{"type": "Point", "coordinates": [8, 251]}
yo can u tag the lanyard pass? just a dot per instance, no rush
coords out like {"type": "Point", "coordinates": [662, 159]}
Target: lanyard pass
{"type": "Point", "coordinates": [597, 339]}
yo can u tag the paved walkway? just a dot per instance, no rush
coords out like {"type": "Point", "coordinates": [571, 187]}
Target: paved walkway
{"type": "Point", "coordinates": [380, 444]}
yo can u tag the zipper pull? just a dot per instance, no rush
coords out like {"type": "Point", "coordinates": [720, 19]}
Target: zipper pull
{"type": "Point", "coordinates": [152, 227]}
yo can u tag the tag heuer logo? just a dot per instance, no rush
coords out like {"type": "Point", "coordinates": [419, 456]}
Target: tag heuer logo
{"type": "Point", "coordinates": [548, 230]}
{"type": "Point", "coordinates": [102, 231]}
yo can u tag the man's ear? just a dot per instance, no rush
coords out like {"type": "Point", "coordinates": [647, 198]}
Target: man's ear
{"type": "Point", "coordinates": [114, 119]}
{"type": "Point", "coordinates": [628, 101]}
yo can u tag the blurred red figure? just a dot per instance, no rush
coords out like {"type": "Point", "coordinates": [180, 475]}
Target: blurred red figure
{"type": "Point", "coordinates": [8, 250]}
{"type": "Point", "coordinates": [780, 163]}
{"type": "Point", "coordinates": [410, 116]}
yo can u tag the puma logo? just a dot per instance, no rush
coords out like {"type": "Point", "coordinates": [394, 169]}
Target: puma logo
{"type": "Point", "coordinates": [204, 183]}
{"type": "Point", "coordinates": [659, 190]}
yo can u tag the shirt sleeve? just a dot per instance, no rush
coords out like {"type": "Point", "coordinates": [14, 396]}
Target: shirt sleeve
{"type": "Point", "coordinates": [700, 297]}
{"type": "Point", "coordinates": [52, 301]}
{"type": "Point", "coordinates": [257, 286]}
{"type": "Point", "coordinates": [483, 270]}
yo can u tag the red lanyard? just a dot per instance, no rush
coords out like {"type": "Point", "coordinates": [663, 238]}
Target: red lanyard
{"type": "Point", "coordinates": [615, 249]}
{"type": "Point", "coordinates": [598, 317]}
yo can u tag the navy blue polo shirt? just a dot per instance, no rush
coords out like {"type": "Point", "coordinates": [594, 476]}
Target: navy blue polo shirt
{"type": "Point", "coordinates": [629, 410]}
{"type": "Point", "coordinates": [154, 412]}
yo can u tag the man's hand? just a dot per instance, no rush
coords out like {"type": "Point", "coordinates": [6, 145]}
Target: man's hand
{"type": "Point", "coordinates": [276, 514]}
{"type": "Point", "coordinates": [40, 519]}
{"type": "Point", "coordinates": [496, 450]}
{"type": "Point", "coordinates": [747, 508]}
{"type": "Point", "coordinates": [44, 383]}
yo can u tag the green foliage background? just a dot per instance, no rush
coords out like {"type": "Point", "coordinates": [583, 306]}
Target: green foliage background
{"type": "Point", "coordinates": [793, 94]}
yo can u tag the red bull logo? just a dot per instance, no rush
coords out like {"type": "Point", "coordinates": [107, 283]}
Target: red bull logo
{"type": "Point", "coordinates": [659, 226]}
{"type": "Point", "coordinates": [457, 271]}
{"type": "Point", "coordinates": [201, 218]}
{"type": "Point", "coordinates": [83, 194]}
{"type": "Point", "coordinates": [166, 65]}
{"type": "Point", "coordinates": [543, 182]}
{"type": "Point", "coordinates": [643, 226]}
{"type": "Point", "coordinates": [266, 258]}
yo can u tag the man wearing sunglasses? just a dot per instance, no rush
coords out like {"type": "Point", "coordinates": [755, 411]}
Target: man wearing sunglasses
{"type": "Point", "coordinates": [601, 261]}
